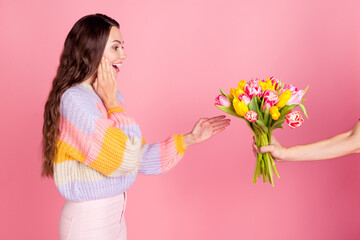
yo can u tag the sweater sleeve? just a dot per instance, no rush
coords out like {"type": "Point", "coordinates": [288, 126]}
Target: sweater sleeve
{"type": "Point", "coordinates": [159, 158]}
{"type": "Point", "coordinates": [156, 158]}
{"type": "Point", "coordinates": [89, 137]}
{"type": "Point", "coordinates": [111, 145]}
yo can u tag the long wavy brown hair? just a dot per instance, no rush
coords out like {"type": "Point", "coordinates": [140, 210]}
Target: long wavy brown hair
{"type": "Point", "coordinates": [82, 53]}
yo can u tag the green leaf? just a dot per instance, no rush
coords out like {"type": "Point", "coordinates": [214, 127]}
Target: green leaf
{"type": "Point", "coordinates": [285, 110]}
{"type": "Point", "coordinates": [266, 116]}
{"type": "Point", "coordinates": [303, 100]}
{"type": "Point", "coordinates": [306, 89]}
{"type": "Point", "coordinates": [230, 111]}
{"type": "Point", "coordinates": [254, 106]}
{"type": "Point", "coordinates": [278, 124]}
{"type": "Point", "coordinates": [262, 125]}
{"type": "Point", "coordinates": [302, 107]}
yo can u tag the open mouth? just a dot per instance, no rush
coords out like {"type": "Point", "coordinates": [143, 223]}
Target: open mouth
{"type": "Point", "coordinates": [117, 66]}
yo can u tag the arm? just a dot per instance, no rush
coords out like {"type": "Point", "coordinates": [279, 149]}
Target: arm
{"type": "Point", "coordinates": [336, 146]}
{"type": "Point", "coordinates": [160, 158]}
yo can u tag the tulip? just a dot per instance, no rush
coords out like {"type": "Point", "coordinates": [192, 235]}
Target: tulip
{"type": "Point", "coordinates": [253, 89]}
{"type": "Point", "coordinates": [233, 93]}
{"type": "Point", "coordinates": [294, 119]}
{"type": "Point", "coordinates": [222, 101]}
{"type": "Point", "coordinates": [236, 92]}
{"type": "Point", "coordinates": [271, 97]}
{"type": "Point", "coordinates": [296, 98]}
{"type": "Point", "coordinates": [284, 98]}
{"type": "Point", "coordinates": [251, 116]}
{"type": "Point", "coordinates": [275, 114]}
{"type": "Point", "coordinates": [268, 85]}
{"type": "Point", "coordinates": [240, 107]}
{"type": "Point", "coordinates": [244, 97]}
{"type": "Point", "coordinates": [296, 95]}
{"type": "Point", "coordinates": [266, 105]}
{"type": "Point", "coordinates": [242, 84]}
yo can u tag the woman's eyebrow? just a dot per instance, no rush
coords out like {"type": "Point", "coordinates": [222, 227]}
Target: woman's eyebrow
{"type": "Point", "coordinates": [119, 41]}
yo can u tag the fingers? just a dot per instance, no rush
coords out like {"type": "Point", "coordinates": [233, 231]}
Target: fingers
{"type": "Point", "coordinates": [218, 131]}
{"type": "Point", "coordinates": [265, 149]}
{"type": "Point", "coordinates": [224, 122]}
{"type": "Point", "coordinates": [217, 118]}
{"type": "Point", "coordinates": [255, 149]}
{"type": "Point", "coordinates": [105, 73]}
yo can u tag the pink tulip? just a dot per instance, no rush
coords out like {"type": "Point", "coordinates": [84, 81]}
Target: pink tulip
{"type": "Point", "coordinates": [274, 80]}
{"type": "Point", "coordinates": [271, 97]}
{"type": "Point", "coordinates": [253, 89]}
{"type": "Point", "coordinates": [251, 116]}
{"type": "Point", "coordinates": [296, 95]}
{"type": "Point", "coordinates": [244, 97]}
{"type": "Point", "coordinates": [222, 101]}
{"type": "Point", "coordinates": [267, 105]}
{"type": "Point", "coordinates": [294, 119]}
{"type": "Point", "coordinates": [254, 81]}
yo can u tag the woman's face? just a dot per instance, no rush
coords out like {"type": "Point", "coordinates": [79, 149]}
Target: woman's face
{"type": "Point", "coordinates": [114, 49]}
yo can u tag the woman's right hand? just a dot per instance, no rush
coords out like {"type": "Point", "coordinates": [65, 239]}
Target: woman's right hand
{"type": "Point", "coordinates": [105, 85]}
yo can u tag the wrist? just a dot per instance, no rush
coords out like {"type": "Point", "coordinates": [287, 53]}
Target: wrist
{"type": "Point", "coordinates": [188, 140]}
{"type": "Point", "coordinates": [111, 104]}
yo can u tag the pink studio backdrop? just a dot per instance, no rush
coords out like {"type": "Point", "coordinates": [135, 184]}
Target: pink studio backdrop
{"type": "Point", "coordinates": [179, 54]}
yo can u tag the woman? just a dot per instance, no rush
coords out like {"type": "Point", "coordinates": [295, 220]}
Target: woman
{"type": "Point", "coordinates": [336, 146]}
{"type": "Point", "coordinates": [91, 147]}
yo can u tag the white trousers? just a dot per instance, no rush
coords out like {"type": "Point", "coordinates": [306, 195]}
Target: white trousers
{"type": "Point", "coordinates": [98, 219]}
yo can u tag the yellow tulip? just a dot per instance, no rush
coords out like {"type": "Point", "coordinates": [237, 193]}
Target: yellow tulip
{"type": "Point", "coordinates": [242, 84]}
{"type": "Point", "coordinates": [274, 111]}
{"type": "Point", "coordinates": [233, 93]}
{"type": "Point", "coordinates": [284, 98]}
{"type": "Point", "coordinates": [239, 91]}
{"type": "Point", "coordinates": [236, 92]}
{"type": "Point", "coordinates": [268, 85]}
{"type": "Point", "coordinates": [240, 107]}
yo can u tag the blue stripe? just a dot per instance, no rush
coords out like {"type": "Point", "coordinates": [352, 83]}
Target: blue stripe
{"type": "Point", "coordinates": [108, 187]}
{"type": "Point", "coordinates": [150, 163]}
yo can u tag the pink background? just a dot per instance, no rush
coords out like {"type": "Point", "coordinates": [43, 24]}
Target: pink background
{"type": "Point", "coordinates": [179, 54]}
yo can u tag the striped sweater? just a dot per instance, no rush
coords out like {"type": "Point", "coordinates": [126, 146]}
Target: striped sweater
{"type": "Point", "coordinates": [99, 153]}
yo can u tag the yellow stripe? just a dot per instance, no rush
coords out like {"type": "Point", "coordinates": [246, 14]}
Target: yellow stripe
{"type": "Point", "coordinates": [179, 144]}
{"type": "Point", "coordinates": [143, 140]}
{"type": "Point", "coordinates": [115, 109]}
{"type": "Point", "coordinates": [112, 151]}
{"type": "Point", "coordinates": [66, 152]}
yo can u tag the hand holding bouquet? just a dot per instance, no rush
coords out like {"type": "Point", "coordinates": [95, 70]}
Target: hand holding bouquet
{"type": "Point", "coordinates": [265, 105]}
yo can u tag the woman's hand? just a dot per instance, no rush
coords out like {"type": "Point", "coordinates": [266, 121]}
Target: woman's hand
{"type": "Point", "coordinates": [205, 128]}
{"type": "Point", "coordinates": [105, 85]}
{"type": "Point", "coordinates": [275, 148]}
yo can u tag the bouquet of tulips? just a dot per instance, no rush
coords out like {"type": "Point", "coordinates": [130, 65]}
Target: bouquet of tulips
{"type": "Point", "coordinates": [265, 105]}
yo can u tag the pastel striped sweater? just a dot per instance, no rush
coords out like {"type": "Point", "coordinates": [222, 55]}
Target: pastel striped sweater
{"type": "Point", "coordinates": [100, 153]}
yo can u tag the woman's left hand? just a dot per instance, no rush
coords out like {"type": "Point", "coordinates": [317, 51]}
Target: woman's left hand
{"type": "Point", "coordinates": [205, 128]}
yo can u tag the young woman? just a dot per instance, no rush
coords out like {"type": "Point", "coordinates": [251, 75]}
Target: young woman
{"type": "Point", "coordinates": [336, 146]}
{"type": "Point", "coordinates": [91, 147]}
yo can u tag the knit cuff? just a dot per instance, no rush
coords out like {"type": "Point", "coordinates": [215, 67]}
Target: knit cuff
{"type": "Point", "coordinates": [115, 109]}
{"type": "Point", "coordinates": [179, 144]}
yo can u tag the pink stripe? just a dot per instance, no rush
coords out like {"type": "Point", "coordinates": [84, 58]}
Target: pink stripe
{"type": "Point", "coordinates": [101, 126]}
{"type": "Point", "coordinates": [122, 119]}
{"type": "Point", "coordinates": [73, 136]}
{"type": "Point", "coordinates": [168, 155]}
{"type": "Point", "coordinates": [101, 109]}
{"type": "Point", "coordinates": [81, 141]}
